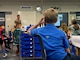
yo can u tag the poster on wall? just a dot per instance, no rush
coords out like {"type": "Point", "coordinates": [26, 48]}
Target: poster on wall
{"type": "Point", "coordinates": [2, 20]}
{"type": "Point", "coordinates": [78, 17]}
{"type": "Point", "coordinates": [60, 18]}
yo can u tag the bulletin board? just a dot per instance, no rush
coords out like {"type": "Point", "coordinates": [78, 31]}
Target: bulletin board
{"type": "Point", "coordinates": [64, 18]}
{"type": "Point", "coordinates": [78, 17]}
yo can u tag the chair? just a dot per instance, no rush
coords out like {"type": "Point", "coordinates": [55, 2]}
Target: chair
{"type": "Point", "coordinates": [73, 51]}
{"type": "Point", "coordinates": [31, 48]}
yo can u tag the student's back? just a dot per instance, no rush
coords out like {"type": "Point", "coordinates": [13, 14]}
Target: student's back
{"type": "Point", "coordinates": [53, 41]}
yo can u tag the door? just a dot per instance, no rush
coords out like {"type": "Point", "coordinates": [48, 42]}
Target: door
{"type": "Point", "coordinates": [2, 18]}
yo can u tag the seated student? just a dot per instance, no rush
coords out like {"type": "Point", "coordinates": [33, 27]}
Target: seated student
{"type": "Point", "coordinates": [2, 41]}
{"type": "Point", "coordinates": [54, 39]}
{"type": "Point", "coordinates": [64, 28]}
{"type": "Point", "coordinates": [75, 29]}
{"type": "Point", "coordinates": [16, 35]}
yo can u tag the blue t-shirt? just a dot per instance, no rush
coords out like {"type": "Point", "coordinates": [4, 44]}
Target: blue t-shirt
{"type": "Point", "coordinates": [54, 41]}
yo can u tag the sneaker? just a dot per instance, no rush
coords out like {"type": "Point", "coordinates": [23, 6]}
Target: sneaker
{"type": "Point", "coordinates": [5, 55]}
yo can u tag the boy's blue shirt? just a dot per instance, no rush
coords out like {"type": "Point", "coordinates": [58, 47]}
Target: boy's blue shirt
{"type": "Point", "coordinates": [54, 41]}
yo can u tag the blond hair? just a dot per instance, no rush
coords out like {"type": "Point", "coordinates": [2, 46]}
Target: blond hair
{"type": "Point", "coordinates": [51, 15]}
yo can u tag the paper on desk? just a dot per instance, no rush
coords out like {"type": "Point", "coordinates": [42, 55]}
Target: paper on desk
{"type": "Point", "coordinates": [75, 41]}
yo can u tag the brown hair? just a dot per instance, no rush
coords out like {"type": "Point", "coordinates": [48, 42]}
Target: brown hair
{"type": "Point", "coordinates": [75, 24]}
{"type": "Point", "coordinates": [18, 15]}
{"type": "Point", "coordinates": [64, 27]}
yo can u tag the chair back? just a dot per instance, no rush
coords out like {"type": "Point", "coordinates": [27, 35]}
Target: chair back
{"type": "Point", "coordinates": [31, 47]}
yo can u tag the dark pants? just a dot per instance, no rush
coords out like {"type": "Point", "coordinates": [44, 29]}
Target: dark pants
{"type": "Point", "coordinates": [71, 57]}
{"type": "Point", "coordinates": [18, 48]}
{"type": "Point", "coordinates": [7, 43]}
{"type": "Point", "coordinates": [1, 41]}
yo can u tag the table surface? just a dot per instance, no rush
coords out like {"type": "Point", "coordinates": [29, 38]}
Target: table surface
{"type": "Point", "coordinates": [75, 41]}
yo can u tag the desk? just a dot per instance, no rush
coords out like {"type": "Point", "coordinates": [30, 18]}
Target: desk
{"type": "Point", "coordinates": [76, 42]}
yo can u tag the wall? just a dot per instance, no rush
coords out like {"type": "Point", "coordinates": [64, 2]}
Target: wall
{"type": "Point", "coordinates": [14, 7]}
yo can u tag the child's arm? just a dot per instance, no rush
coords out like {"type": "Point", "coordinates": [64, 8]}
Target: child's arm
{"type": "Point", "coordinates": [68, 50]}
{"type": "Point", "coordinates": [36, 25]}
